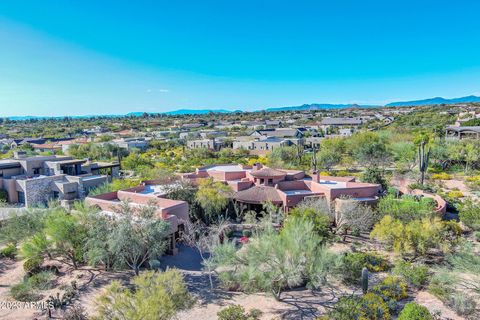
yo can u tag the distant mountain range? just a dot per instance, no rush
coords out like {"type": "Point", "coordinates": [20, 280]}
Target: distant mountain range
{"type": "Point", "coordinates": [187, 111]}
{"type": "Point", "coordinates": [313, 106]}
{"type": "Point", "coordinates": [437, 100]}
{"type": "Point", "coordinates": [319, 106]}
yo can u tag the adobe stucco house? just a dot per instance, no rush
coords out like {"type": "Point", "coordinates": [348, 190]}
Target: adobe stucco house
{"type": "Point", "coordinates": [149, 193]}
{"type": "Point", "coordinates": [256, 185]}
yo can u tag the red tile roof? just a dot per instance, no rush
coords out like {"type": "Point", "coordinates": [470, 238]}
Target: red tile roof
{"type": "Point", "coordinates": [258, 195]}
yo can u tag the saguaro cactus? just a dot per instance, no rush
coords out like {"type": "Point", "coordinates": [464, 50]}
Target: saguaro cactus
{"type": "Point", "coordinates": [423, 159]}
{"type": "Point", "coordinates": [365, 280]}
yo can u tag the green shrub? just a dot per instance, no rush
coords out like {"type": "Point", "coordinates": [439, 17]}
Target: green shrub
{"type": "Point", "coordinates": [228, 233]}
{"type": "Point", "coordinates": [415, 275]}
{"type": "Point", "coordinates": [462, 304]}
{"type": "Point", "coordinates": [247, 233]}
{"type": "Point", "coordinates": [23, 291]}
{"type": "Point", "coordinates": [406, 208]}
{"type": "Point", "coordinates": [374, 307]}
{"type": "Point", "coordinates": [441, 176]}
{"type": "Point", "coordinates": [392, 287]}
{"type": "Point", "coordinates": [237, 312]}
{"type": "Point", "coordinates": [414, 311]}
{"type": "Point", "coordinates": [370, 306]}
{"type": "Point", "coordinates": [353, 263]}
{"type": "Point", "coordinates": [3, 195]}
{"type": "Point", "coordinates": [9, 251]}
{"type": "Point", "coordinates": [470, 214]}
{"type": "Point", "coordinates": [32, 264]}
{"type": "Point", "coordinates": [43, 280]}
{"type": "Point", "coordinates": [439, 288]}
{"type": "Point", "coordinates": [455, 194]}
{"type": "Point", "coordinates": [477, 236]}
{"type": "Point", "coordinates": [346, 308]}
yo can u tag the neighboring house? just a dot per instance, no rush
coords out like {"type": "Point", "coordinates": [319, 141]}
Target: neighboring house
{"type": "Point", "coordinates": [457, 132]}
{"type": "Point", "coordinates": [340, 122]}
{"type": "Point", "coordinates": [132, 143]}
{"type": "Point", "coordinates": [264, 144]}
{"type": "Point", "coordinates": [313, 142]}
{"type": "Point", "coordinates": [208, 134]}
{"type": "Point", "coordinates": [189, 135]}
{"type": "Point", "coordinates": [212, 144]}
{"type": "Point", "coordinates": [279, 133]}
{"type": "Point", "coordinates": [35, 180]}
{"type": "Point", "coordinates": [149, 193]}
{"type": "Point", "coordinates": [95, 130]}
{"type": "Point", "coordinates": [55, 146]}
{"type": "Point", "coordinates": [256, 185]}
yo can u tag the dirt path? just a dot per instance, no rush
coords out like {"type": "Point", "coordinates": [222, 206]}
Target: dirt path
{"type": "Point", "coordinates": [11, 272]}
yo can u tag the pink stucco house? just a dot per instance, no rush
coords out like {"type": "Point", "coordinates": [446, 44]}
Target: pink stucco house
{"type": "Point", "coordinates": [255, 185]}
{"type": "Point", "coordinates": [149, 193]}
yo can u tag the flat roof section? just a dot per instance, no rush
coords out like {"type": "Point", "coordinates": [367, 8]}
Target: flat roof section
{"type": "Point", "coordinates": [227, 168]}
{"type": "Point", "coordinates": [333, 184]}
{"type": "Point", "coordinates": [297, 192]}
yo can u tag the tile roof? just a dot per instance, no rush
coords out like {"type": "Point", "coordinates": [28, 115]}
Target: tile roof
{"type": "Point", "coordinates": [258, 195]}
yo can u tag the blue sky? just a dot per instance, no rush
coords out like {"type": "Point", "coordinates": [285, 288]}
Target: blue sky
{"type": "Point", "coordinates": [104, 57]}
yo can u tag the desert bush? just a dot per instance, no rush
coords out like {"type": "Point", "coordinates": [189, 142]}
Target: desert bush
{"type": "Point", "coordinates": [355, 261]}
{"type": "Point", "coordinates": [23, 291]}
{"type": "Point", "coordinates": [441, 176]}
{"type": "Point", "coordinates": [273, 261]}
{"type": "Point", "coordinates": [477, 236]}
{"type": "Point", "coordinates": [374, 307]}
{"type": "Point", "coordinates": [75, 312]}
{"type": "Point", "coordinates": [369, 306]}
{"type": "Point", "coordinates": [320, 219]}
{"type": "Point", "coordinates": [43, 280]}
{"type": "Point", "coordinates": [416, 237]}
{"type": "Point", "coordinates": [247, 233]}
{"type": "Point", "coordinates": [32, 264]}
{"type": "Point", "coordinates": [473, 182]}
{"type": "Point", "coordinates": [3, 195]}
{"type": "Point", "coordinates": [406, 208]}
{"type": "Point", "coordinates": [463, 304]}
{"type": "Point", "coordinates": [346, 308]}
{"type": "Point", "coordinates": [470, 214]}
{"type": "Point", "coordinates": [415, 275]}
{"type": "Point", "coordinates": [455, 194]}
{"type": "Point", "coordinates": [441, 286]}
{"type": "Point", "coordinates": [9, 251]}
{"type": "Point", "coordinates": [155, 295]}
{"type": "Point", "coordinates": [414, 311]}
{"type": "Point", "coordinates": [237, 312]}
{"type": "Point", "coordinates": [392, 287]}
{"type": "Point", "coordinates": [18, 228]}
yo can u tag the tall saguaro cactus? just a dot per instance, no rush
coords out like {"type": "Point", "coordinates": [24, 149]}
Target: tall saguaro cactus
{"type": "Point", "coordinates": [423, 159]}
{"type": "Point", "coordinates": [314, 158]}
{"type": "Point", "coordinates": [364, 280]}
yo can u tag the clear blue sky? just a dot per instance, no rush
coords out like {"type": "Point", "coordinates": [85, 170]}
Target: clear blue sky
{"type": "Point", "coordinates": [103, 57]}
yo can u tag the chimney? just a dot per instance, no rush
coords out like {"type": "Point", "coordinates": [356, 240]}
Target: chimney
{"type": "Point", "coordinates": [257, 166]}
{"type": "Point", "coordinates": [316, 176]}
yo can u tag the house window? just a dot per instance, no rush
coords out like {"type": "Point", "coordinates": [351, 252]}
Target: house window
{"type": "Point", "coordinates": [21, 197]}
{"type": "Point", "coordinates": [55, 194]}
{"type": "Point", "coordinates": [262, 181]}
{"type": "Point", "coordinates": [270, 181]}
{"type": "Point", "coordinates": [36, 171]}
